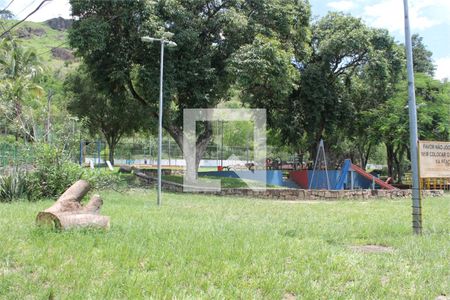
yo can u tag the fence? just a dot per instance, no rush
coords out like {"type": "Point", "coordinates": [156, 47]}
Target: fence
{"type": "Point", "coordinates": [147, 153]}
{"type": "Point", "coordinates": [138, 153]}
{"type": "Point", "coordinates": [428, 183]}
{"type": "Point", "coordinates": [15, 155]}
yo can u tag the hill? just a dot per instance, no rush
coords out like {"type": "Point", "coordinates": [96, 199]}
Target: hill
{"type": "Point", "coordinates": [48, 39]}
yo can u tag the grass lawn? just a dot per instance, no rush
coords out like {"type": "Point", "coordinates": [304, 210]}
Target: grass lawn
{"type": "Point", "coordinates": [212, 247]}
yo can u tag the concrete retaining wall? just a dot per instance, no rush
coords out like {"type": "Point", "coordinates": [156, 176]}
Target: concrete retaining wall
{"type": "Point", "coordinates": [299, 194]}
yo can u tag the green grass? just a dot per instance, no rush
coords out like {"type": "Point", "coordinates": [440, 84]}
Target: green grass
{"type": "Point", "coordinates": [212, 247]}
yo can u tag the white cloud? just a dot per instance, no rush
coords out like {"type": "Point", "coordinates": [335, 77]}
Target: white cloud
{"type": "Point", "coordinates": [443, 68]}
{"type": "Point", "coordinates": [390, 14]}
{"type": "Point", "coordinates": [341, 5]}
{"type": "Point", "coordinates": [50, 9]}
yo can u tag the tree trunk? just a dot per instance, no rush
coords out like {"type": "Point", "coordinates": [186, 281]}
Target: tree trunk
{"type": "Point", "coordinates": [390, 159]}
{"type": "Point", "coordinates": [68, 212]}
{"type": "Point", "coordinates": [112, 139]}
{"type": "Point", "coordinates": [111, 153]}
{"type": "Point", "coordinates": [365, 153]}
{"type": "Point", "coordinates": [201, 147]}
{"type": "Point", "coordinates": [398, 158]}
{"type": "Point", "coordinates": [201, 144]}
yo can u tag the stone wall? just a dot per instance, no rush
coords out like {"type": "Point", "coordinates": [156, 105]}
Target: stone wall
{"type": "Point", "coordinates": [297, 194]}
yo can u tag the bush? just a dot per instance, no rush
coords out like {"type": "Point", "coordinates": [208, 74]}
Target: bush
{"type": "Point", "coordinates": [53, 173]}
{"type": "Point", "coordinates": [103, 178]}
{"type": "Point", "coordinates": [13, 186]}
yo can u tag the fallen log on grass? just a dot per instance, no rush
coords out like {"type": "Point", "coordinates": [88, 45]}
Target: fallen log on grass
{"type": "Point", "coordinates": [68, 212]}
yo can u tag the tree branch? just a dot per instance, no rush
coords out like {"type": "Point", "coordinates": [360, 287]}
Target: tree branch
{"type": "Point", "coordinates": [135, 93]}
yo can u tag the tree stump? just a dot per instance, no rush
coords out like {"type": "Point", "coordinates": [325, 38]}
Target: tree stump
{"type": "Point", "coordinates": [68, 212]}
{"type": "Point", "coordinates": [126, 169]}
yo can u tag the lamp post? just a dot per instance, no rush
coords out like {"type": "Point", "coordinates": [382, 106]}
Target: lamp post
{"type": "Point", "coordinates": [416, 201]}
{"type": "Point", "coordinates": [147, 39]}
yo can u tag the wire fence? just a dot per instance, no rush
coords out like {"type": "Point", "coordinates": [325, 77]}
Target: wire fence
{"type": "Point", "coordinates": [96, 152]}
{"type": "Point", "coordinates": [146, 153]}
{"type": "Point", "coordinates": [16, 155]}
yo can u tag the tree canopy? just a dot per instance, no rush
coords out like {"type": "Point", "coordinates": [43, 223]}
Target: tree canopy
{"type": "Point", "coordinates": [114, 115]}
{"type": "Point", "coordinates": [208, 34]}
{"type": "Point", "coordinates": [422, 57]}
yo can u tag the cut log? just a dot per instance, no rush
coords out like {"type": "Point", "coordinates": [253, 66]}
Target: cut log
{"type": "Point", "coordinates": [68, 212]}
{"type": "Point", "coordinates": [126, 169]}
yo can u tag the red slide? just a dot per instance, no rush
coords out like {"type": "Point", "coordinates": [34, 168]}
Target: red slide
{"type": "Point", "coordinates": [378, 181]}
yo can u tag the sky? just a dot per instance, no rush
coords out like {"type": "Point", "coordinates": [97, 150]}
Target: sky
{"type": "Point", "coordinates": [429, 18]}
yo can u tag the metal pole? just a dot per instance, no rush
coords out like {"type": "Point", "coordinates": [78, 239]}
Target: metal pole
{"type": "Point", "coordinates": [160, 122]}
{"type": "Point", "coordinates": [326, 164]}
{"type": "Point", "coordinates": [416, 200]}
{"type": "Point", "coordinates": [170, 161]}
{"type": "Point", "coordinates": [315, 165]}
{"type": "Point", "coordinates": [217, 144]}
{"type": "Point", "coordinates": [221, 149]}
{"type": "Point", "coordinates": [352, 180]}
{"type": "Point", "coordinates": [81, 151]}
{"type": "Point", "coordinates": [99, 150]}
{"type": "Point", "coordinates": [248, 133]}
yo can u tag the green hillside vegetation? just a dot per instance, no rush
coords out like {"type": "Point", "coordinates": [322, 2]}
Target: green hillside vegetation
{"type": "Point", "coordinates": [42, 38]}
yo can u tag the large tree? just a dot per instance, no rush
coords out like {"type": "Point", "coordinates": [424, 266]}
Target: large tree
{"type": "Point", "coordinates": [114, 115]}
{"type": "Point", "coordinates": [107, 34]}
{"type": "Point", "coordinates": [392, 121]}
{"type": "Point", "coordinates": [372, 85]}
{"type": "Point", "coordinates": [348, 67]}
{"type": "Point", "coordinates": [422, 57]}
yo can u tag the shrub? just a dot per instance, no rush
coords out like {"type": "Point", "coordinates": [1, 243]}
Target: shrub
{"type": "Point", "coordinates": [104, 179]}
{"type": "Point", "coordinates": [13, 185]}
{"type": "Point", "coordinates": [53, 173]}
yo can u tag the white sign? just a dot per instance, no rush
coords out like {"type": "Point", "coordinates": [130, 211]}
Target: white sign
{"type": "Point", "coordinates": [434, 159]}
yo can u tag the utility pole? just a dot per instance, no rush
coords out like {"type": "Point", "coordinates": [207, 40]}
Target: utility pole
{"type": "Point", "coordinates": [416, 197]}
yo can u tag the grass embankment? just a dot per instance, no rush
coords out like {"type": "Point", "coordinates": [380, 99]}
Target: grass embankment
{"type": "Point", "coordinates": [210, 247]}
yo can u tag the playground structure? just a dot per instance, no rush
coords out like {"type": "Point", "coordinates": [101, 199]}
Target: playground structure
{"type": "Point", "coordinates": [350, 176]}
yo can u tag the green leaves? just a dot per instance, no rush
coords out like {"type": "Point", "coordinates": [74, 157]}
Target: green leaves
{"type": "Point", "coordinates": [20, 92]}
{"type": "Point", "coordinates": [114, 115]}
{"type": "Point", "coordinates": [264, 72]}
{"type": "Point", "coordinates": [422, 57]}
{"type": "Point", "coordinates": [221, 45]}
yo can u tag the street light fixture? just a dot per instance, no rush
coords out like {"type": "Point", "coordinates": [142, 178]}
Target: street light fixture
{"type": "Point", "coordinates": [147, 39]}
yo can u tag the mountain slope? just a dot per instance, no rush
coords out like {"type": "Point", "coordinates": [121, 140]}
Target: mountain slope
{"type": "Point", "coordinates": [48, 39]}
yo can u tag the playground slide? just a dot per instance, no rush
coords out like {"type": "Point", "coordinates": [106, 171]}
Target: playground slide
{"type": "Point", "coordinates": [378, 181]}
